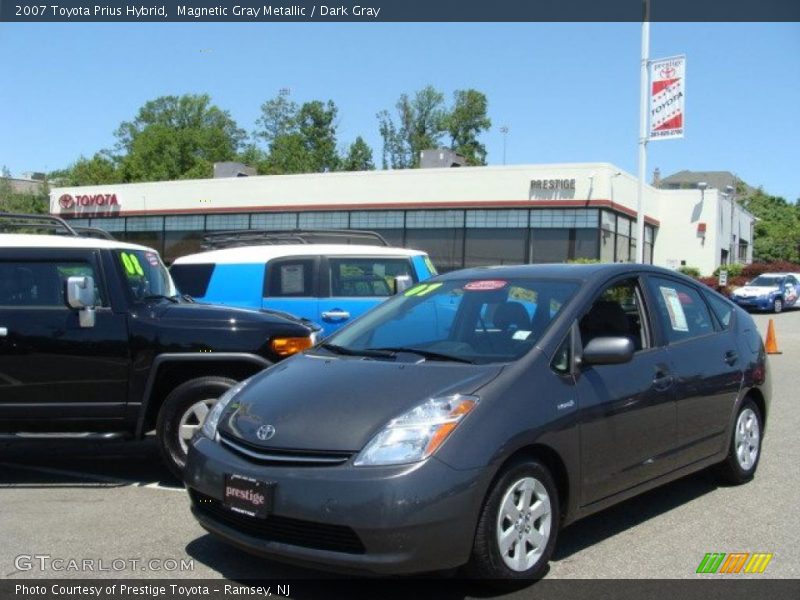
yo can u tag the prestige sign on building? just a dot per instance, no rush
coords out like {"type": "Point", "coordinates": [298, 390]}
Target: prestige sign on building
{"type": "Point", "coordinates": [667, 97]}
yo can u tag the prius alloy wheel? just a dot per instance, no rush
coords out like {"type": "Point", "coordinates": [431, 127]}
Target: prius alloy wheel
{"type": "Point", "coordinates": [744, 451]}
{"type": "Point", "coordinates": [523, 524]}
{"type": "Point", "coordinates": [518, 526]}
{"type": "Point", "coordinates": [747, 438]}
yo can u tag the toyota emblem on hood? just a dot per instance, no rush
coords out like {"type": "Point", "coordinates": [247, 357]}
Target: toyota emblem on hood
{"type": "Point", "coordinates": [265, 432]}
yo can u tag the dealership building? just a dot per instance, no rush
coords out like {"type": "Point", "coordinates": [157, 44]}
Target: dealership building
{"type": "Point", "coordinates": [462, 217]}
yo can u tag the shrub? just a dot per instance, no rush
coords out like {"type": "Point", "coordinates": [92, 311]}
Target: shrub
{"type": "Point", "coordinates": [779, 266]}
{"type": "Point", "coordinates": [733, 270]}
{"type": "Point", "coordinates": [733, 283]}
{"type": "Point", "coordinates": [690, 271]}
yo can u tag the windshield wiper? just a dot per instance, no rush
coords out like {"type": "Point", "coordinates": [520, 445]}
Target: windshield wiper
{"type": "Point", "coordinates": [371, 352]}
{"type": "Point", "coordinates": [429, 354]}
{"type": "Point", "coordinates": [161, 297]}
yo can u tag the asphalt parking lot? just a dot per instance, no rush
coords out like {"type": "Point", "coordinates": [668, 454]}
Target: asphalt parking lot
{"type": "Point", "coordinates": [114, 501]}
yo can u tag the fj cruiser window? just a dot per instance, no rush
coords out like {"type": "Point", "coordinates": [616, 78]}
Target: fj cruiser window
{"type": "Point", "coordinates": [40, 283]}
{"type": "Point", "coordinates": [360, 277]}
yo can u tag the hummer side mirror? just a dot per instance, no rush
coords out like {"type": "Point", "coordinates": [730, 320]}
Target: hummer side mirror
{"type": "Point", "coordinates": [80, 295]}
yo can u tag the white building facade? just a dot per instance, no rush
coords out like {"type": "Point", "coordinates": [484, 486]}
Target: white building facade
{"type": "Point", "coordinates": [462, 217]}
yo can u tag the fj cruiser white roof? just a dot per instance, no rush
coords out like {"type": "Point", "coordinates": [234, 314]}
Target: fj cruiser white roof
{"type": "Point", "coordinates": [24, 240]}
{"type": "Point", "coordinates": [261, 254]}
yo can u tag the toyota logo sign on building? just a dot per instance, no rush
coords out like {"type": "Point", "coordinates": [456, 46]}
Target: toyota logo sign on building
{"type": "Point", "coordinates": [68, 201]}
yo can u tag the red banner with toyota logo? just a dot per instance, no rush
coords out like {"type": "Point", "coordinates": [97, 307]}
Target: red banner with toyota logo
{"type": "Point", "coordinates": [667, 97]}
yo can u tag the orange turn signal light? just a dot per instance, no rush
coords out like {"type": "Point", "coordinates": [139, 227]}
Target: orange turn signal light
{"type": "Point", "coordinates": [445, 429]}
{"type": "Point", "coordinates": [286, 346]}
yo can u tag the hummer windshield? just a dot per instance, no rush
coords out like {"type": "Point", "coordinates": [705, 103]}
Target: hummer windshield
{"type": "Point", "coordinates": [146, 275]}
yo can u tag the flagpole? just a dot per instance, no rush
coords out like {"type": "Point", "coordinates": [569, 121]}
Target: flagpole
{"type": "Point", "coordinates": [643, 103]}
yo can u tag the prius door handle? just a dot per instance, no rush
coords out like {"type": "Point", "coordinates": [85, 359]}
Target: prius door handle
{"type": "Point", "coordinates": [662, 380]}
{"type": "Point", "coordinates": [3, 331]}
{"type": "Point", "coordinates": [731, 357]}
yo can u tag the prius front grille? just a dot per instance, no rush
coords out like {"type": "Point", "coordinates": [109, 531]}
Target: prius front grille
{"type": "Point", "coordinates": [273, 456]}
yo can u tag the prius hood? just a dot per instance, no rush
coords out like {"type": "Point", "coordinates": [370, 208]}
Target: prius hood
{"type": "Point", "coordinates": [338, 404]}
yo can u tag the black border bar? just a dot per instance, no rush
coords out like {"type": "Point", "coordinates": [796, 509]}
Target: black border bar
{"type": "Point", "coordinates": [110, 11]}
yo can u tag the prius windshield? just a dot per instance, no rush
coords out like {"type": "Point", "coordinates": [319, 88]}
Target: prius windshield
{"type": "Point", "coordinates": [471, 321]}
{"type": "Point", "coordinates": [146, 275]}
{"type": "Point", "coordinates": [766, 281]}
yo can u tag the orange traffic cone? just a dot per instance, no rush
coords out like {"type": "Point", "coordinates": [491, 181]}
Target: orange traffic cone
{"type": "Point", "coordinates": [771, 343]}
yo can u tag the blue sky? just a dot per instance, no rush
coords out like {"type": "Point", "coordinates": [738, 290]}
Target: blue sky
{"type": "Point", "coordinates": [567, 92]}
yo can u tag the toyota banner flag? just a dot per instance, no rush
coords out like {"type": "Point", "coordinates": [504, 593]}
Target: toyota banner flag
{"type": "Point", "coordinates": [667, 97]}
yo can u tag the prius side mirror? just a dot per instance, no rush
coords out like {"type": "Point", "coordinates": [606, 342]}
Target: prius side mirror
{"type": "Point", "coordinates": [80, 295]}
{"type": "Point", "coordinates": [608, 351]}
{"type": "Point", "coordinates": [402, 283]}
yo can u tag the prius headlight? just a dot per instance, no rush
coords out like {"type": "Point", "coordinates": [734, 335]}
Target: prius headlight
{"type": "Point", "coordinates": [209, 428]}
{"type": "Point", "coordinates": [418, 433]}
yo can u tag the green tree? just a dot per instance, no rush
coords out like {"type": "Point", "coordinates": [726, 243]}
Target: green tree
{"type": "Point", "coordinates": [278, 117]}
{"type": "Point", "coordinates": [22, 202]}
{"type": "Point", "coordinates": [176, 137]}
{"type": "Point", "coordinates": [288, 154]}
{"type": "Point", "coordinates": [89, 171]}
{"type": "Point", "coordinates": [420, 125]}
{"type": "Point", "coordinates": [299, 139]}
{"type": "Point", "coordinates": [359, 157]}
{"type": "Point", "coordinates": [465, 122]}
{"type": "Point", "coordinates": [316, 122]}
{"type": "Point", "coordinates": [777, 232]}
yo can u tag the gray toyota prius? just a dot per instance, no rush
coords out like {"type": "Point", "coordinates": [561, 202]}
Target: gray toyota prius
{"type": "Point", "coordinates": [470, 417]}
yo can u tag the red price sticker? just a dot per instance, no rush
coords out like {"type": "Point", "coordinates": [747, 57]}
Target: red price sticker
{"type": "Point", "coordinates": [485, 285]}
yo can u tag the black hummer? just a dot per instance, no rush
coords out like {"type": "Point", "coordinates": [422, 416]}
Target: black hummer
{"type": "Point", "coordinates": [95, 338]}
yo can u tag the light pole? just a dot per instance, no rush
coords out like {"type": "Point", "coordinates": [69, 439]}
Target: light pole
{"type": "Point", "coordinates": [643, 97]}
{"type": "Point", "coordinates": [504, 131]}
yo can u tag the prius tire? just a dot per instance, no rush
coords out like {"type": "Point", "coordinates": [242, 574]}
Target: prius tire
{"type": "Point", "coordinates": [744, 450]}
{"type": "Point", "coordinates": [777, 305]}
{"type": "Point", "coordinates": [495, 560]}
{"type": "Point", "coordinates": [180, 408]}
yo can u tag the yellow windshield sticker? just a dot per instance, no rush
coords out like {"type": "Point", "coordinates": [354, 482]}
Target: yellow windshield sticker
{"type": "Point", "coordinates": [421, 290]}
{"type": "Point", "coordinates": [431, 287]}
{"type": "Point", "coordinates": [126, 262]}
{"type": "Point", "coordinates": [415, 290]}
{"type": "Point", "coordinates": [131, 264]}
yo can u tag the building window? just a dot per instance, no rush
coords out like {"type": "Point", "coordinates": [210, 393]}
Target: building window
{"type": "Point", "coordinates": [272, 221]}
{"type": "Point", "coordinates": [445, 246]}
{"type": "Point", "coordinates": [564, 217]}
{"type": "Point", "coordinates": [607, 246]}
{"type": "Point", "coordinates": [377, 219]}
{"type": "Point", "coordinates": [429, 219]}
{"type": "Point", "coordinates": [324, 220]}
{"type": "Point", "coordinates": [187, 223]}
{"type": "Point", "coordinates": [112, 224]}
{"type": "Point", "coordinates": [585, 244]}
{"type": "Point", "coordinates": [494, 247]}
{"type": "Point", "coordinates": [549, 245]}
{"type": "Point", "coordinates": [225, 222]}
{"type": "Point", "coordinates": [497, 218]}
{"type": "Point", "coordinates": [144, 224]}
{"type": "Point", "coordinates": [742, 251]}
